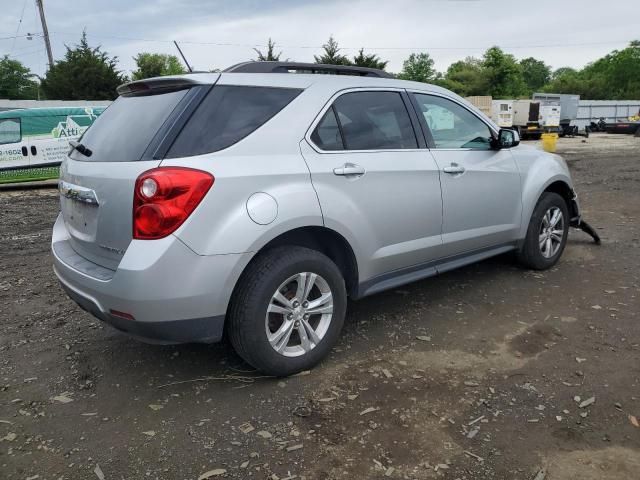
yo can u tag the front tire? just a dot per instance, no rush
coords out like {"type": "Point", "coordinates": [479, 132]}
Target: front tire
{"type": "Point", "coordinates": [287, 310]}
{"type": "Point", "coordinates": [547, 233]}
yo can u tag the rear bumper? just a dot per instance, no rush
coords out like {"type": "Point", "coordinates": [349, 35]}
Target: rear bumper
{"type": "Point", "coordinates": [172, 294]}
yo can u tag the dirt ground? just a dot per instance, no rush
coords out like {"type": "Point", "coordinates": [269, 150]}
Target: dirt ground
{"type": "Point", "coordinates": [488, 372]}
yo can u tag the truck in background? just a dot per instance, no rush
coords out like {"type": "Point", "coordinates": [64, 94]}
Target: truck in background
{"type": "Point", "coordinates": [34, 141]}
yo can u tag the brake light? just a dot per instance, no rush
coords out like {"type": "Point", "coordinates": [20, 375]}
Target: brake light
{"type": "Point", "coordinates": [164, 198]}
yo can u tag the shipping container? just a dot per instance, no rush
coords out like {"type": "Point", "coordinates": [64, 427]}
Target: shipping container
{"type": "Point", "coordinates": [610, 110]}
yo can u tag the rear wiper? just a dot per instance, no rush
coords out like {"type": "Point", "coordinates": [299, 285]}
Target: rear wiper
{"type": "Point", "coordinates": [80, 148]}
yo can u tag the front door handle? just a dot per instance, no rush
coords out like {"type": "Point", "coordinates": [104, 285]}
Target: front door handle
{"type": "Point", "coordinates": [454, 168]}
{"type": "Point", "coordinates": [349, 169]}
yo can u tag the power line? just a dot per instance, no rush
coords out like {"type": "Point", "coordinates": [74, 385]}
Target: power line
{"type": "Point", "coordinates": [254, 45]}
{"type": "Point", "coordinates": [24, 5]}
{"type": "Point", "coordinates": [13, 37]}
{"type": "Point", "coordinates": [26, 53]}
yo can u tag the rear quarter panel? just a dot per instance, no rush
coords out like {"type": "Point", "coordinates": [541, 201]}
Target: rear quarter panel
{"type": "Point", "coordinates": [269, 161]}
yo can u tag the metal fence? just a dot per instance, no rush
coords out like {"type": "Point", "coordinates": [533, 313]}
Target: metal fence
{"type": "Point", "coordinates": [610, 110]}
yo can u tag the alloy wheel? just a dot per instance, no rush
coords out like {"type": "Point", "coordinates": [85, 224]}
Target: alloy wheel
{"type": "Point", "coordinates": [299, 314]}
{"type": "Point", "coordinates": [551, 232]}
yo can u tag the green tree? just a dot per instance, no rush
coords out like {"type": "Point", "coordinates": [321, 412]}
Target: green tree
{"type": "Point", "coordinates": [270, 56]}
{"type": "Point", "coordinates": [503, 74]}
{"type": "Point", "coordinates": [16, 81]}
{"type": "Point", "coordinates": [331, 54]}
{"type": "Point", "coordinates": [562, 71]}
{"type": "Point", "coordinates": [566, 80]}
{"type": "Point", "coordinates": [419, 68]}
{"type": "Point", "coordinates": [466, 77]}
{"type": "Point", "coordinates": [156, 65]}
{"type": "Point", "coordinates": [536, 73]}
{"type": "Point", "coordinates": [86, 73]}
{"type": "Point", "coordinates": [615, 76]}
{"type": "Point", "coordinates": [371, 60]}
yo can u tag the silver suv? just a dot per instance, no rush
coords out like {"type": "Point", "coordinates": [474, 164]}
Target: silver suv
{"type": "Point", "coordinates": [252, 203]}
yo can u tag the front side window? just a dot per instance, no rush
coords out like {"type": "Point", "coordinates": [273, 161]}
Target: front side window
{"type": "Point", "coordinates": [374, 121]}
{"type": "Point", "coordinates": [10, 131]}
{"type": "Point", "coordinates": [453, 126]}
{"type": "Point", "coordinates": [227, 115]}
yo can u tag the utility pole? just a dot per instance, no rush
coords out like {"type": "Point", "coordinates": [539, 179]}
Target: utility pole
{"type": "Point", "coordinates": [45, 32]}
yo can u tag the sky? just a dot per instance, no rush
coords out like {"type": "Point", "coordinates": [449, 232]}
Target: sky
{"type": "Point", "coordinates": [217, 34]}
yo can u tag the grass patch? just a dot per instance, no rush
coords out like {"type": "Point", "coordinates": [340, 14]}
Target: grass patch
{"type": "Point", "coordinates": [29, 174]}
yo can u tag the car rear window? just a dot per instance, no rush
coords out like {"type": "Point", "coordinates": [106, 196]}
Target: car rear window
{"type": "Point", "coordinates": [125, 129]}
{"type": "Point", "coordinates": [227, 115]}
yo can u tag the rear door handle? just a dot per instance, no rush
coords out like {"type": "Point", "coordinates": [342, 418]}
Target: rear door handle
{"type": "Point", "coordinates": [349, 169]}
{"type": "Point", "coordinates": [454, 168]}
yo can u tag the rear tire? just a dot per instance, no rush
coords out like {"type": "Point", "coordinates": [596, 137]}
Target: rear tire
{"type": "Point", "coordinates": [274, 324]}
{"type": "Point", "coordinates": [547, 233]}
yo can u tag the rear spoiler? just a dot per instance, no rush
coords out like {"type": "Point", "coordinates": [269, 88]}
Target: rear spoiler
{"type": "Point", "coordinates": [152, 86]}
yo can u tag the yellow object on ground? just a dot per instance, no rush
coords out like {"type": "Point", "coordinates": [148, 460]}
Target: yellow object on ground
{"type": "Point", "coordinates": [549, 142]}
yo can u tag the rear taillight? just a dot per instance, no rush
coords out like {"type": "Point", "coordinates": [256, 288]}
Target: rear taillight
{"type": "Point", "coordinates": [164, 198]}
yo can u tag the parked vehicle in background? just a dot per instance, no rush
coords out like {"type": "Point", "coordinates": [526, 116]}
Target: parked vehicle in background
{"type": "Point", "coordinates": [549, 117]}
{"type": "Point", "coordinates": [502, 113]}
{"type": "Point", "coordinates": [39, 137]}
{"type": "Point", "coordinates": [629, 127]}
{"type": "Point", "coordinates": [256, 203]}
{"type": "Point", "coordinates": [526, 118]}
{"type": "Point", "coordinates": [568, 109]}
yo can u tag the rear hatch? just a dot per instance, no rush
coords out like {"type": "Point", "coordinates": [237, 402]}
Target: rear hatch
{"type": "Point", "coordinates": [98, 177]}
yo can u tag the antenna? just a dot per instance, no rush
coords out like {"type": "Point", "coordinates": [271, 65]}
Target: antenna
{"type": "Point", "coordinates": [182, 55]}
{"type": "Point", "coordinates": [45, 32]}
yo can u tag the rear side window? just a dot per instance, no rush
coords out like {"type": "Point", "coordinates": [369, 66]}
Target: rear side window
{"type": "Point", "coordinates": [375, 121]}
{"type": "Point", "coordinates": [125, 129]}
{"type": "Point", "coordinates": [10, 131]}
{"type": "Point", "coordinates": [327, 133]}
{"type": "Point", "coordinates": [227, 115]}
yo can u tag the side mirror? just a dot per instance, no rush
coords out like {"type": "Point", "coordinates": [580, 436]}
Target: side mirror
{"type": "Point", "coordinates": [507, 138]}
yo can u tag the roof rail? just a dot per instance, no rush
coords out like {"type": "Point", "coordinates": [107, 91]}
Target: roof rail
{"type": "Point", "coordinates": [297, 67]}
